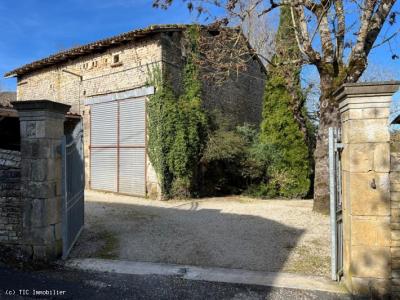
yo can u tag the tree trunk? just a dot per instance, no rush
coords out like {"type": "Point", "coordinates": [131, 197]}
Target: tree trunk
{"type": "Point", "coordinates": [329, 117]}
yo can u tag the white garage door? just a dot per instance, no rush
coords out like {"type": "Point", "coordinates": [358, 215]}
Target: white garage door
{"type": "Point", "coordinates": [118, 146]}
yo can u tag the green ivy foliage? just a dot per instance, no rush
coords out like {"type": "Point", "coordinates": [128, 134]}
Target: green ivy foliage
{"type": "Point", "coordinates": [161, 112]}
{"type": "Point", "coordinates": [178, 129]}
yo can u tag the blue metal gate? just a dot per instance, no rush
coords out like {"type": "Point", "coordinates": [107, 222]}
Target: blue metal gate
{"type": "Point", "coordinates": [73, 187]}
{"type": "Point", "coordinates": [335, 188]}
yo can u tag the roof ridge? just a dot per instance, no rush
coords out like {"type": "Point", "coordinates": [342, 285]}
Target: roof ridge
{"type": "Point", "coordinates": [98, 45]}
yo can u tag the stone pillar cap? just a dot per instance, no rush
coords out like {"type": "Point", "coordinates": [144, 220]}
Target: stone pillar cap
{"type": "Point", "coordinates": [382, 88]}
{"type": "Point", "coordinates": [41, 105]}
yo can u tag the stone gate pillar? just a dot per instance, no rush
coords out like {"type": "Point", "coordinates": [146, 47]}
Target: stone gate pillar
{"type": "Point", "coordinates": [42, 127]}
{"type": "Point", "coordinates": [364, 112]}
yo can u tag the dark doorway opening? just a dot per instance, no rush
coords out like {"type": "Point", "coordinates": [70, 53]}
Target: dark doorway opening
{"type": "Point", "coordinates": [10, 133]}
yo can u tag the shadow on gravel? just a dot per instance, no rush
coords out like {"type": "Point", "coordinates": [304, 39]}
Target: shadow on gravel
{"type": "Point", "coordinates": [198, 237]}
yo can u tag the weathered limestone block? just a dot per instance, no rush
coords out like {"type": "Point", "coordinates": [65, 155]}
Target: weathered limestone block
{"type": "Point", "coordinates": [366, 157]}
{"type": "Point", "coordinates": [47, 252]}
{"type": "Point", "coordinates": [376, 288]}
{"type": "Point", "coordinates": [373, 231]}
{"type": "Point", "coordinates": [394, 196]}
{"type": "Point", "coordinates": [395, 187]}
{"type": "Point", "coordinates": [395, 235]}
{"type": "Point", "coordinates": [382, 157]}
{"type": "Point", "coordinates": [366, 131]}
{"type": "Point", "coordinates": [396, 263]}
{"type": "Point", "coordinates": [375, 113]}
{"type": "Point", "coordinates": [369, 261]}
{"type": "Point", "coordinates": [44, 189]}
{"type": "Point", "coordinates": [370, 194]}
{"type": "Point", "coordinates": [361, 157]}
{"type": "Point", "coordinates": [395, 177]}
{"type": "Point", "coordinates": [395, 215]}
{"type": "Point", "coordinates": [45, 212]}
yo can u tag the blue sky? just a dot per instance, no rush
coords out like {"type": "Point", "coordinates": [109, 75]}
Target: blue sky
{"type": "Point", "coordinates": [33, 29]}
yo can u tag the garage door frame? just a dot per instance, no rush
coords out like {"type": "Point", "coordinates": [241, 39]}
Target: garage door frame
{"type": "Point", "coordinates": [120, 97]}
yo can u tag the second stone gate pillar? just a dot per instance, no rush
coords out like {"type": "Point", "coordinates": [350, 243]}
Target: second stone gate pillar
{"type": "Point", "coordinates": [364, 110]}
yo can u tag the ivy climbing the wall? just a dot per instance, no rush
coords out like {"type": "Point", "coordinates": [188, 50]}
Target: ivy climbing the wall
{"type": "Point", "coordinates": [178, 127]}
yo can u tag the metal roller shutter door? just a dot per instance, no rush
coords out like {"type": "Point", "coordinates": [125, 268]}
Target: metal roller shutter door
{"type": "Point", "coordinates": [132, 118]}
{"type": "Point", "coordinates": [132, 143]}
{"type": "Point", "coordinates": [104, 169]}
{"type": "Point", "coordinates": [104, 118]}
{"type": "Point", "coordinates": [103, 135]}
{"type": "Point", "coordinates": [118, 146]}
{"type": "Point", "coordinates": [131, 168]}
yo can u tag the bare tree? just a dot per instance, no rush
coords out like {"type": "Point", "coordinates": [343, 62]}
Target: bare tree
{"type": "Point", "coordinates": [378, 72]}
{"type": "Point", "coordinates": [258, 29]}
{"type": "Point", "coordinates": [336, 36]}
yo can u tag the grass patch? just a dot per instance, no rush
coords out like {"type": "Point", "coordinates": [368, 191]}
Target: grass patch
{"type": "Point", "coordinates": [308, 261]}
{"type": "Point", "coordinates": [110, 245]}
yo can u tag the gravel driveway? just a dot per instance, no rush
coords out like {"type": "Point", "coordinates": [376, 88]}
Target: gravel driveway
{"type": "Point", "coordinates": [228, 232]}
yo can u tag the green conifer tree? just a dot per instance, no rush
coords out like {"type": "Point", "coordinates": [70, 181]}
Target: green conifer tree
{"type": "Point", "coordinates": [283, 129]}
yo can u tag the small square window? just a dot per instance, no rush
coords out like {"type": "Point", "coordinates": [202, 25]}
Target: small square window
{"type": "Point", "coordinates": [116, 59]}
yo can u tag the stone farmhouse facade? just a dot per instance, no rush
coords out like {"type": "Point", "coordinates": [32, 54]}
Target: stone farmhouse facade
{"type": "Point", "coordinates": [107, 83]}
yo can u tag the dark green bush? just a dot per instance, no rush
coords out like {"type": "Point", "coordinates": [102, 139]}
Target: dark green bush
{"type": "Point", "coordinates": [225, 165]}
{"type": "Point", "coordinates": [285, 151]}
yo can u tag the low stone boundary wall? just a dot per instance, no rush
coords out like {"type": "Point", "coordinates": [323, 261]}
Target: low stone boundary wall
{"type": "Point", "coordinates": [10, 196]}
{"type": "Point", "coordinates": [395, 212]}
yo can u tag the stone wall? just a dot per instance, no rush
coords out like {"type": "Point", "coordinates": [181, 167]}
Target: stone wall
{"type": "Point", "coordinates": [239, 97]}
{"type": "Point", "coordinates": [10, 196]}
{"type": "Point", "coordinates": [99, 74]}
{"type": "Point", "coordinates": [395, 212]}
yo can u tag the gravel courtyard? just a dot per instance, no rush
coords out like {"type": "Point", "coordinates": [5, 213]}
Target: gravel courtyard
{"type": "Point", "coordinates": [229, 232]}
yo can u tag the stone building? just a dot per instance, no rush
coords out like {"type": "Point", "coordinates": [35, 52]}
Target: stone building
{"type": "Point", "coordinates": [106, 82]}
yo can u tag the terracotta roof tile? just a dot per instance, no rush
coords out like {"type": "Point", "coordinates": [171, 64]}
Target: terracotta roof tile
{"type": "Point", "coordinates": [100, 45]}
